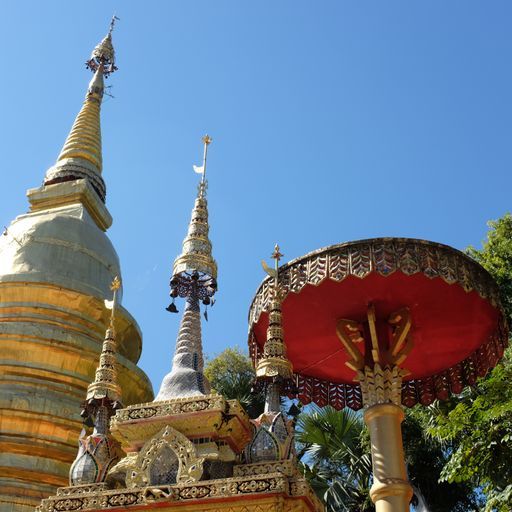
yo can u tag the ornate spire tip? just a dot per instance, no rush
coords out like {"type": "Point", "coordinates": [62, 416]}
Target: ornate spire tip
{"type": "Point", "coordinates": [103, 56]}
{"type": "Point", "coordinates": [112, 304]}
{"type": "Point", "coordinates": [116, 284]}
{"type": "Point", "coordinates": [276, 255]}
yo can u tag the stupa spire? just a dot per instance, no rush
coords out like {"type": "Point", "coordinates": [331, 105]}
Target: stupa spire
{"type": "Point", "coordinates": [105, 384]}
{"type": "Point", "coordinates": [100, 451]}
{"type": "Point", "coordinates": [81, 155]}
{"type": "Point", "coordinates": [274, 368]}
{"type": "Point", "coordinates": [273, 433]}
{"type": "Point", "coordinates": [195, 279]}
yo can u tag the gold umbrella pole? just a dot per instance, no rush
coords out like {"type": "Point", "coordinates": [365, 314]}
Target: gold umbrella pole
{"type": "Point", "coordinates": [391, 492]}
{"type": "Point", "coordinates": [380, 377]}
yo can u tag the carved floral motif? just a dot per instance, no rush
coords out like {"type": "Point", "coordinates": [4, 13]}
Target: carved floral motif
{"type": "Point", "coordinates": [381, 385]}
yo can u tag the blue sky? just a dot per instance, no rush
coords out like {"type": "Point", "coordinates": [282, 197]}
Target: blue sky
{"type": "Point", "coordinates": [331, 121]}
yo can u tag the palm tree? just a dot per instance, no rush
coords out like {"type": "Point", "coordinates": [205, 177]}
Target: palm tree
{"type": "Point", "coordinates": [334, 449]}
{"type": "Point", "coordinates": [333, 458]}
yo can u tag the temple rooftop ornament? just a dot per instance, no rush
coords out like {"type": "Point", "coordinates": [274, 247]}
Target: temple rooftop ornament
{"type": "Point", "coordinates": [273, 438]}
{"type": "Point", "coordinates": [188, 449]}
{"type": "Point", "coordinates": [105, 385]}
{"type": "Point", "coordinates": [196, 256]}
{"type": "Point", "coordinates": [273, 369]}
{"type": "Point", "coordinates": [80, 157]}
{"type": "Point", "coordinates": [393, 322]}
{"type": "Point", "coordinates": [99, 451]}
{"type": "Point", "coordinates": [103, 54]}
{"type": "Point", "coordinates": [195, 279]}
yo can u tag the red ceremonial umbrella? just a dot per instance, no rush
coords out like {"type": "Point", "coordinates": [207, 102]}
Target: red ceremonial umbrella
{"type": "Point", "coordinates": [380, 323]}
{"type": "Point", "coordinates": [458, 327]}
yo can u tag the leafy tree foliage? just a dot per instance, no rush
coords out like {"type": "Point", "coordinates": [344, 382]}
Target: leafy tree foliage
{"type": "Point", "coordinates": [496, 258]}
{"type": "Point", "coordinates": [476, 427]}
{"type": "Point", "coordinates": [231, 374]}
{"type": "Point", "coordinates": [425, 459]}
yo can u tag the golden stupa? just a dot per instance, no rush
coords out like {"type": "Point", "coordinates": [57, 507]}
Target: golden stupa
{"type": "Point", "coordinates": [56, 264]}
{"type": "Point", "coordinates": [69, 357]}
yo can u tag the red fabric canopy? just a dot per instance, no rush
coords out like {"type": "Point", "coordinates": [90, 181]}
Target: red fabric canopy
{"type": "Point", "coordinates": [458, 326]}
{"type": "Point", "coordinates": [448, 323]}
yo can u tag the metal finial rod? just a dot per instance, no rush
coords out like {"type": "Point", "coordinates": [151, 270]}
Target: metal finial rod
{"type": "Point", "coordinates": [276, 256]}
{"type": "Point", "coordinates": [112, 23]}
{"type": "Point", "coordinates": [273, 272]}
{"type": "Point", "coordinates": [116, 284]}
{"type": "Point", "coordinates": [202, 169]}
{"type": "Point", "coordinates": [207, 140]}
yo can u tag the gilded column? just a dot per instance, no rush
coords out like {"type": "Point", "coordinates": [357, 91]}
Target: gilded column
{"type": "Point", "coordinates": [380, 376]}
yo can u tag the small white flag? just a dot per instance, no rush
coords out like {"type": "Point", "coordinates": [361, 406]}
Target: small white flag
{"type": "Point", "coordinates": [199, 169]}
{"type": "Point", "coordinates": [109, 304]}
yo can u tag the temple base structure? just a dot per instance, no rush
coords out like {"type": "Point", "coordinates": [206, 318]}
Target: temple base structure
{"type": "Point", "coordinates": [254, 493]}
{"type": "Point", "coordinates": [185, 454]}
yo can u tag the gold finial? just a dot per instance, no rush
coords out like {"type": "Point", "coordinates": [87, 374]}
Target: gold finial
{"type": "Point", "coordinates": [196, 255]}
{"type": "Point", "coordinates": [105, 383]}
{"type": "Point", "coordinates": [276, 255]}
{"type": "Point", "coordinates": [273, 272]}
{"type": "Point", "coordinates": [81, 155]}
{"type": "Point", "coordinates": [116, 284]}
{"type": "Point", "coordinates": [207, 140]}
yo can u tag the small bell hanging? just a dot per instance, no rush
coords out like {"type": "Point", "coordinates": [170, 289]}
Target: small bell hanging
{"type": "Point", "coordinates": [172, 307]}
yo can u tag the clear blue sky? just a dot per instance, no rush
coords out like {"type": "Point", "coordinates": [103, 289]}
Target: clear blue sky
{"type": "Point", "coordinates": [331, 121]}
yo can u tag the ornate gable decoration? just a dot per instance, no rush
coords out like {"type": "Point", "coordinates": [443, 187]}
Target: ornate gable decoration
{"type": "Point", "coordinates": [272, 440]}
{"type": "Point", "coordinates": [167, 458]}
